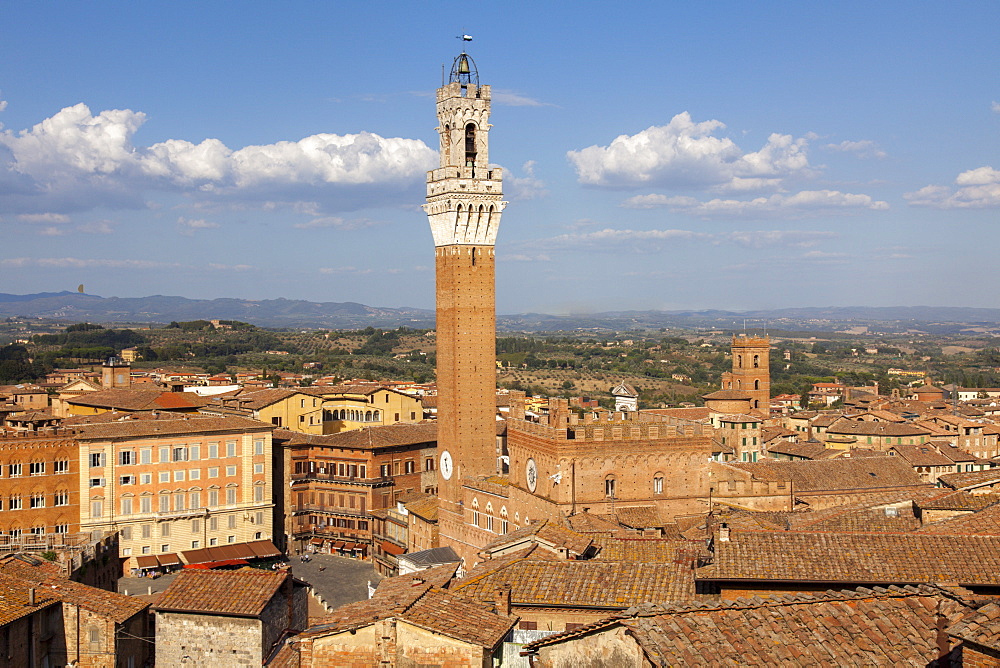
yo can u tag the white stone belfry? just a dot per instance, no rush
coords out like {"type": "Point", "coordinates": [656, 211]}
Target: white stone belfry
{"type": "Point", "coordinates": [465, 194]}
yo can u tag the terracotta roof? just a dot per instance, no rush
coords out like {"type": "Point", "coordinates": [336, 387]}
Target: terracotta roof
{"type": "Point", "coordinates": [164, 427]}
{"type": "Point", "coordinates": [419, 599]}
{"type": "Point", "coordinates": [14, 599]}
{"type": "Point", "coordinates": [242, 593]}
{"type": "Point", "coordinates": [647, 550]}
{"type": "Point", "coordinates": [970, 479]}
{"type": "Point", "coordinates": [456, 616]}
{"type": "Point", "coordinates": [587, 522]}
{"type": "Point", "coordinates": [861, 428]}
{"type": "Point", "coordinates": [863, 517]}
{"type": "Point", "coordinates": [922, 455]}
{"type": "Point", "coordinates": [590, 584]}
{"type": "Point", "coordinates": [255, 399]}
{"type": "Point", "coordinates": [110, 605]}
{"type": "Point", "coordinates": [959, 500]}
{"type": "Point", "coordinates": [836, 474]}
{"type": "Point", "coordinates": [772, 433]}
{"type": "Point", "coordinates": [426, 508]}
{"type": "Point", "coordinates": [546, 532]}
{"type": "Point", "coordinates": [985, 522]}
{"type": "Point", "coordinates": [723, 395]}
{"type": "Point", "coordinates": [981, 628]}
{"type": "Point", "coordinates": [401, 591]}
{"type": "Point", "coordinates": [384, 436]}
{"type": "Point", "coordinates": [868, 558]}
{"type": "Point", "coordinates": [139, 400]}
{"type": "Point", "coordinates": [639, 517]}
{"type": "Point", "coordinates": [802, 450]}
{"type": "Point", "coordinates": [891, 626]}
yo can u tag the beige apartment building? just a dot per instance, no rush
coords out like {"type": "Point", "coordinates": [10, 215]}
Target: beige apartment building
{"type": "Point", "coordinates": [172, 484]}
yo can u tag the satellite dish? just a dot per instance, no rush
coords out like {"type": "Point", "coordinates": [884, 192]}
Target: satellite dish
{"type": "Point", "coordinates": [80, 288]}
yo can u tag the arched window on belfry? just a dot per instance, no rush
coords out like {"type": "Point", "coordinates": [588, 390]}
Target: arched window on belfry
{"type": "Point", "coordinates": [756, 361]}
{"type": "Point", "coordinates": [739, 361]}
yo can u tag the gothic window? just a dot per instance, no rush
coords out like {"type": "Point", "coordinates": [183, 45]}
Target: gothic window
{"type": "Point", "coordinates": [658, 483]}
{"type": "Point", "coordinates": [609, 486]}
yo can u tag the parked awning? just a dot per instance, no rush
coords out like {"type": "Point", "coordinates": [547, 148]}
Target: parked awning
{"type": "Point", "coordinates": [337, 544]}
{"type": "Point", "coordinates": [146, 562]}
{"type": "Point", "coordinates": [259, 549]}
{"type": "Point", "coordinates": [169, 559]}
{"type": "Point", "coordinates": [264, 549]}
{"type": "Point", "coordinates": [316, 541]}
{"type": "Point", "coordinates": [391, 548]}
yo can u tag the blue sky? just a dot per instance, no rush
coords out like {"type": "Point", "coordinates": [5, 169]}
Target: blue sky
{"type": "Point", "coordinates": [658, 155]}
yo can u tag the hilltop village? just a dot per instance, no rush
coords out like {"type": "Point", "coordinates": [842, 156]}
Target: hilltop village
{"type": "Point", "coordinates": [509, 530]}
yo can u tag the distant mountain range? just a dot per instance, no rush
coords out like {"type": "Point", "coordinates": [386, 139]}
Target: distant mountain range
{"type": "Point", "coordinates": [75, 307]}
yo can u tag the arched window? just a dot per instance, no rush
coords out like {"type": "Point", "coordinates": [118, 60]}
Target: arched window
{"type": "Point", "coordinates": [470, 145]}
{"type": "Point", "coordinates": [756, 361]}
{"type": "Point", "coordinates": [368, 416]}
{"type": "Point", "coordinates": [609, 486]}
{"type": "Point", "coordinates": [658, 482]}
{"type": "Point", "coordinates": [756, 384]}
{"type": "Point", "coordinates": [739, 361]}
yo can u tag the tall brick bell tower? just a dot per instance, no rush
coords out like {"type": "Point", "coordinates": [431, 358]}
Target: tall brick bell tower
{"type": "Point", "coordinates": [464, 202]}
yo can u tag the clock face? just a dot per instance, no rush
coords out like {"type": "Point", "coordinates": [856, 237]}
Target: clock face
{"type": "Point", "coordinates": [446, 467]}
{"type": "Point", "coordinates": [531, 474]}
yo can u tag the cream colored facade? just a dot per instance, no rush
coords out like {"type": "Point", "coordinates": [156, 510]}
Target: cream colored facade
{"type": "Point", "coordinates": [344, 411]}
{"type": "Point", "coordinates": [172, 485]}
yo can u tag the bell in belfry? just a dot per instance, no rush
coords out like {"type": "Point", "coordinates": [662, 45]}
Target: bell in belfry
{"type": "Point", "coordinates": [463, 64]}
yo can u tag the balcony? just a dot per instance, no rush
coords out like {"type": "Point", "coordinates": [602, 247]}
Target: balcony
{"type": "Point", "coordinates": [328, 510]}
{"type": "Point", "coordinates": [378, 481]}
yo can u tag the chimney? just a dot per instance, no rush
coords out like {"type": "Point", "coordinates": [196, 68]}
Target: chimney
{"type": "Point", "coordinates": [503, 600]}
{"type": "Point", "coordinates": [724, 533]}
{"type": "Point", "coordinates": [31, 596]}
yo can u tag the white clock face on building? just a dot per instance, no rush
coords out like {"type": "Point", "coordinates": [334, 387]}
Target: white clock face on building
{"type": "Point", "coordinates": [531, 474]}
{"type": "Point", "coordinates": [446, 466]}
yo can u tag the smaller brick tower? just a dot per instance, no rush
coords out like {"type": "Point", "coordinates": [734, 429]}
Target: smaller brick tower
{"type": "Point", "coordinates": [116, 374]}
{"type": "Point", "coordinates": [751, 370]}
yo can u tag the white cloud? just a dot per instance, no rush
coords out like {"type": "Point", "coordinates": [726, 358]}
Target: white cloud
{"type": "Point", "coordinates": [688, 154]}
{"type": "Point", "coordinates": [797, 205]}
{"type": "Point", "coordinates": [864, 148]}
{"type": "Point", "coordinates": [654, 240]}
{"type": "Point", "coordinates": [97, 227]}
{"type": "Point", "coordinates": [43, 218]}
{"type": "Point", "coordinates": [642, 240]}
{"type": "Point", "coordinates": [79, 263]}
{"type": "Point", "coordinates": [762, 238]}
{"type": "Point", "coordinates": [337, 223]}
{"type": "Point", "coordinates": [995, 107]}
{"type": "Point", "coordinates": [976, 189]}
{"type": "Point", "coordinates": [230, 267]}
{"type": "Point", "coordinates": [76, 160]}
{"type": "Point", "coordinates": [52, 231]}
{"type": "Point", "coordinates": [188, 226]}
{"type": "Point", "coordinates": [527, 257]}
{"type": "Point", "coordinates": [512, 99]}
{"type": "Point", "coordinates": [527, 186]}
{"type": "Point", "coordinates": [823, 255]}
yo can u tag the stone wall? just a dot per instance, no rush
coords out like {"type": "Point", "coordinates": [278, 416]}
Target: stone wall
{"type": "Point", "coordinates": [210, 640]}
